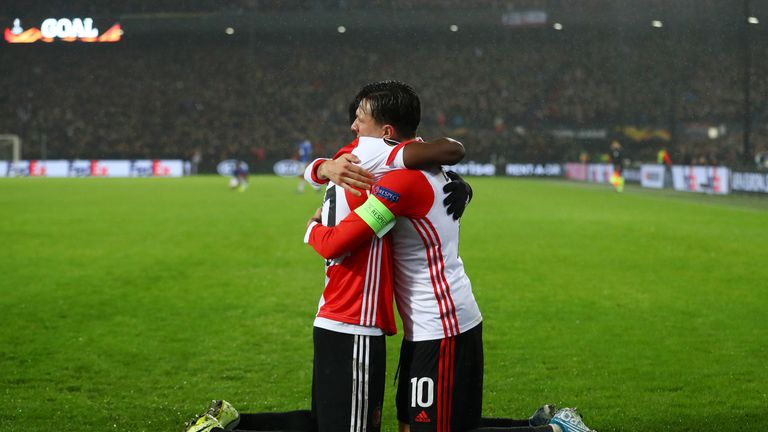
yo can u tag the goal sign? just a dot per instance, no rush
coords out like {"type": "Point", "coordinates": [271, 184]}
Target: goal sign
{"type": "Point", "coordinates": [62, 29]}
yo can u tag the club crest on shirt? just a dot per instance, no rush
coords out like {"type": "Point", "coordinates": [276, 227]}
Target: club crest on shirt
{"type": "Point", "coordinates": [385, 193]}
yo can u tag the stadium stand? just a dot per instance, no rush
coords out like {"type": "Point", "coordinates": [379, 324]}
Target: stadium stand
{"type": "Point", "coordinates": [253, 98]}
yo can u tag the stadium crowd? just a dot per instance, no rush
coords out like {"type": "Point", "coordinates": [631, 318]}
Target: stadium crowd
{"type": "Point", "coordinates": [502, 96]}
{"type": "Point", "coordinates": [56, 7]}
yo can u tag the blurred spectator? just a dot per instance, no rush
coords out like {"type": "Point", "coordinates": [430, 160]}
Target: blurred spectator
{"type": "Point", "coordinates": [163, 99]}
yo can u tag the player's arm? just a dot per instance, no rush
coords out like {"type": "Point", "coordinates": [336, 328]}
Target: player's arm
{"type": "Point", "coordinates": [343, 171]}
{"type": "Point", "coordinates": [445, 151]}
{"type": "Point", "coordinates": [442, 151]}
{"type": "Point", "coordinates": [399, 193]}
{"type": "Point", "coordinates": [353, 231]}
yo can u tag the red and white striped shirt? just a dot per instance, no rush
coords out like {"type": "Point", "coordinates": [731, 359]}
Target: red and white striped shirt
{"type": "Point", "coordinates": [358, 295]}
{"type": "Point", "coordinates": [433, 293]}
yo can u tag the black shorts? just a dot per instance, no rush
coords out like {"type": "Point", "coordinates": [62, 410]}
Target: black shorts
{"type": "Point", "coordinates": [441, 383]}
{"type": "Point", "coordinates": [348, 381]}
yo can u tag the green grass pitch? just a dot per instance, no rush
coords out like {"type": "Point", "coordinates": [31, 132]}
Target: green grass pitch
{"type": "Point", "coordinates": [127, 304]}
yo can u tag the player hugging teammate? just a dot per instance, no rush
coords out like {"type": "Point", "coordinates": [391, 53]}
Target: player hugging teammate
{"type": "Point", "coordinates": [396, 241]}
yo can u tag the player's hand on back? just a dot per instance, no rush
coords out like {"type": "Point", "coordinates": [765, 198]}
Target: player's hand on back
{"type": "Point", "coordinates": [344, 172]}
{"type": "Point", "coordinates": [459, 195]}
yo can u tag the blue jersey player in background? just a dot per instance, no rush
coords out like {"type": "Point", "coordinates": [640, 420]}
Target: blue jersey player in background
{"type": "Point", "coordinates": [304, 155]}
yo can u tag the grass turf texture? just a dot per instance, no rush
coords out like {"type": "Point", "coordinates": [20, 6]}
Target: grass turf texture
{"type": "Point", "coordinates": [127, 304]}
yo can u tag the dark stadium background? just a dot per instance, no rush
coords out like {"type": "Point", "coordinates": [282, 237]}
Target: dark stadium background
{"type": "Point", "coordinates": [511, 88]}
{"type": "Point", "coordinates": [129, 302]}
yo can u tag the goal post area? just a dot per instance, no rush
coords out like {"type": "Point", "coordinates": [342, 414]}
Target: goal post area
{"type": "Point", "coordinates": [10, 153]}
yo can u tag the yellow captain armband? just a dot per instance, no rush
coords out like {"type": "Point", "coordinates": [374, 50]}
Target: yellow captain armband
{"type": "Point", "coordinates": [376, 215]}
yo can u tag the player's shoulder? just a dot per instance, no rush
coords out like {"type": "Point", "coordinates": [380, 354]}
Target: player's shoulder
{"type": "Point", "coordinates": [372, 145]}
{"type": "Point", "coordinates": [366, 140]}
{"type": "Point", "coordinates": [365, 148]}
{"type": "Point", "coordinates": [406, 190]}
{"type": "Point", "coordinates": [349, 148]}
{"type": "Point", "coordinates": [404, 174]}
{"type": "Point", "coordinates": [404, 179]}
{"type": "Point", "coordinates": [373, 154]}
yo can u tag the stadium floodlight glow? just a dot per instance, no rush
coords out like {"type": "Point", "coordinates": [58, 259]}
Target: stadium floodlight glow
{"type": "Point", "coordinates": [657, 23]}
{"type": "Point", "coordinates": [557, 26]}
{"type": "Point", "coordinates": [229, 31]}
{"type": "Point", "coordinates": [753, 20]}
{"type": "Point", "coordinates": [454, 28]}
{"type": "Point", "coordinates": [341, 29]}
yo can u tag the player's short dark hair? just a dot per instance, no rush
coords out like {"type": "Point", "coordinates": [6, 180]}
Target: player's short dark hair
{"type": "Point", "coordinates": [394, 103]}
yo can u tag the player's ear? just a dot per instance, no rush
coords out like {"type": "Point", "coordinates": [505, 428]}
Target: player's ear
{"type": "Point", "coordinates": [389, 131]}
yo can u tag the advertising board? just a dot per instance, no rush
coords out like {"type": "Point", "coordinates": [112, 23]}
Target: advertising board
{"type": "Point", "coordinates": [652, 176]}
{"type": "Point", "coordinates": [94, 168]}
{"type": "Point", "coordinates": [750, 182]}
{"type": "Point", "coordinates": [705, 179]}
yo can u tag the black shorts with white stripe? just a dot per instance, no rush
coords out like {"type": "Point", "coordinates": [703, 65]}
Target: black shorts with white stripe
{"type": "Point", "coordinates": [348, 381]}
{"type": "Point", "coordinates": [440, 387]}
